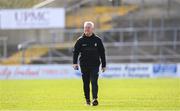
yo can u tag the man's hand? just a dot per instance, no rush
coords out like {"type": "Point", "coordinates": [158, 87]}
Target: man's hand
{"type": "Point", "coordinates": [103, 69]}
{"type": "Point", "coordinates": [75, 66]}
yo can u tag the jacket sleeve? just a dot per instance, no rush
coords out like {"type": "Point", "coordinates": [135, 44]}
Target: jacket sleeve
{"type": "Point", "coordinates": [76, 51]}
{"type": "Point", "coordinates": [102, 54]}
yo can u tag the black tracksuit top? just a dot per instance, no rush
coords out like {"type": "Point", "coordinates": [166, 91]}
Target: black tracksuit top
{"type": "Point", "coordinates": [91, 51]}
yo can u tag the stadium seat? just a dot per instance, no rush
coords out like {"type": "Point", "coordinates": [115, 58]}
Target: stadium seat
{"type": "Point", "coordinates": [29, 54]}
{"type": "Point", "coordinates": [97, 13]}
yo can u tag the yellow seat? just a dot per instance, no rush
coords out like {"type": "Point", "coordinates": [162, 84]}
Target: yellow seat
{"type": "Point", "coordinates": [29, 54]}
{"type": "Point", "coordinates": [100, 15]}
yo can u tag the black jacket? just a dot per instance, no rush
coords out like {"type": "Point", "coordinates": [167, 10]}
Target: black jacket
{"type": "Point", "coordinates": [91, 51]}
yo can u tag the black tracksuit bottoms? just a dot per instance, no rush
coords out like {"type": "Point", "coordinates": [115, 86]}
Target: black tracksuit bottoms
{"type": "Point", "coordinates": [90, 74]}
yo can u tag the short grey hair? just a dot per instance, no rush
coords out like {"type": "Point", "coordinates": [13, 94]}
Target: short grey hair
{"type": "Point", "coordinates": [89, 22]}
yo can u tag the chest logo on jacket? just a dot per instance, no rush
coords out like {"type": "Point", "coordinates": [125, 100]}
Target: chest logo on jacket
{"type": "Point", "coordinates": [95, 44]}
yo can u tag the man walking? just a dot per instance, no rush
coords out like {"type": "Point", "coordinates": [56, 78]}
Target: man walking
{"type": "Point", "coordinates": [92, 53]}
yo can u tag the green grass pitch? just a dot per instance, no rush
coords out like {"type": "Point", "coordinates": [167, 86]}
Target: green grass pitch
{"type": "Point", "coordinates": [114, 95]}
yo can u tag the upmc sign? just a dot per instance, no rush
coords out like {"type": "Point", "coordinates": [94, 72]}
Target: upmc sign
{"type": "Point", "coordinates": [32, 18]}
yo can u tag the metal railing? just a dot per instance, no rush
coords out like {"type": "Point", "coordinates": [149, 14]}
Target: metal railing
{"type": "Point", "coordinates": [3, 47]}
{"type": "Point", "coordinates": [123, 44]}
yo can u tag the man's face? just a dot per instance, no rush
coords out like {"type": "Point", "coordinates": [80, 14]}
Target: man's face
{"type": "Point", "coordinates": [88, 30]}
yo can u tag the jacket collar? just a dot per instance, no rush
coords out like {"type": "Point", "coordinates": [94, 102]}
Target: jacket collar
{"type": "Point", "coordinates": [90, 36]}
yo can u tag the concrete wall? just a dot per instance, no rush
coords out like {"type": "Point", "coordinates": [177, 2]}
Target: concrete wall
{"type": "Point", "coordinates": [19, 36]}
{"type": "Point", "coordinates": [147, 2]}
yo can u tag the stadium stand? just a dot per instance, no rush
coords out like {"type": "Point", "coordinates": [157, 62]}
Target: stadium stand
{"type": "Point", "coordinates": [29, 53]}
{"type": "Point", "coordinates": [97, 13]}
{"type": "Point", "coordinates": [132, 32]}
{"type": "Point", "coordinates": [18, 3]}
